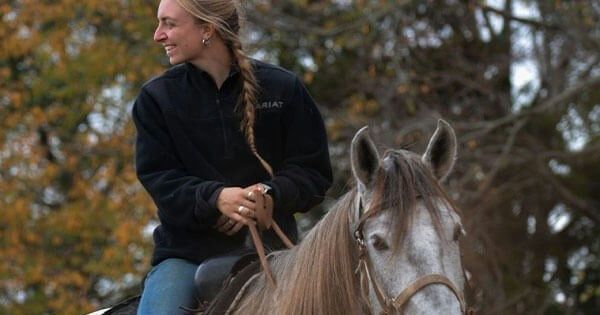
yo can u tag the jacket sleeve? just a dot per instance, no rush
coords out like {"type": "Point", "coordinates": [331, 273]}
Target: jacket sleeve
{"type": "Point", "coordinates": [183, 200]}
{"type": "Point", "coordinates": [305, 175]}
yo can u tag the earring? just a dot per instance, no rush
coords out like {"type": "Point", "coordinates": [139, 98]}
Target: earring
{"type": "Point", "coordinates": [206, 42]}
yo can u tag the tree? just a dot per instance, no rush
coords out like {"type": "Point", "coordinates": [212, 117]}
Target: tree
{"type": "Point", "coordinates": [527, 175]}
{"type": "Point", "coordinates": [73, 212]}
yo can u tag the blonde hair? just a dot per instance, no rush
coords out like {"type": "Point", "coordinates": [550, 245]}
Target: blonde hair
{"type": "Point", "coordinates": [225, 16]}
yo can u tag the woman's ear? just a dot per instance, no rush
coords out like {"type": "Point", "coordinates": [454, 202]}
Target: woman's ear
{"type": "Point", "coordinates": [208, 31]}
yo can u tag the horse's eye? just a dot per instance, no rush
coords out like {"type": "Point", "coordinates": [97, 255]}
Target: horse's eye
{"type": "Point", "coordinates": [379, 243]}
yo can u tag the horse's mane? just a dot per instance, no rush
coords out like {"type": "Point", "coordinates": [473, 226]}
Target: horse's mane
{"type": "Point", "coordinates": [315, 277]}
{"type": "Point", "coordinates": [318, 275]}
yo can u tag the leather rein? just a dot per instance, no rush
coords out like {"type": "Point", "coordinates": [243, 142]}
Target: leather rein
{"type": "Point", "coordinates": [264, 221]}
{"type": "Point", "coordinates": [389, 305]}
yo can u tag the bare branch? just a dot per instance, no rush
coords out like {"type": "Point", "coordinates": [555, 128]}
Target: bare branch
{"type": "Point", "coordinates": [277, 19]}
{"type": "Point", "coordinates": [501, 160]}
{"type": "Point", "coordinates": [579, 204]}
{"type": "Point", "coordinates": [506, 15]}
{"type": "Point", "coordinates": [587, 151]}
{"type": "Point", "coordinates": [501, 309]}
{"type": "Point", "coordinates": [488, 24]}
{"type": "Point", "coordinates": [560, 99]}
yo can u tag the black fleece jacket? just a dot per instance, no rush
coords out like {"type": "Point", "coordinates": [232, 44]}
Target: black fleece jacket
{"type": "Point", "coordinates": [189, 147]}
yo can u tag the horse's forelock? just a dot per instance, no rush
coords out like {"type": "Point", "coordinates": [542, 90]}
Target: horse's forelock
{"type": "Point", "coordinates": [401, 182]}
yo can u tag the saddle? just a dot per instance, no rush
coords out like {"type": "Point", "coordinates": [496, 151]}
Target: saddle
{"type": "Point", "coordinates": [214, 274]}
{"type": "Point", "coordinates": [221, 293]}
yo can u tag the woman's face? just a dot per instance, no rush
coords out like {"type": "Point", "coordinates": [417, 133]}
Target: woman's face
{"type": "Point", "coordinates": [179, 33]}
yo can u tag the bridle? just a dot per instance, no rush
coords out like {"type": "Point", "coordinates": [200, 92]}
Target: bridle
{"type": "Point", "coordinates": [389, 305]}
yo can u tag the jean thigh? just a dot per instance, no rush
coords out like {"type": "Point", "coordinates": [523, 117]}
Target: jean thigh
{"type": "Point", "coordinates": [169, 285]}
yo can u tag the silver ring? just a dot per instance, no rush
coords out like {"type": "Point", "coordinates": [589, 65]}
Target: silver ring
{"type": "Point", "coordinates": [250, 194]}
{"type": "Point", "coordinates": [240, 209]}
{"type": "Point", "coordinates": [230, 223]}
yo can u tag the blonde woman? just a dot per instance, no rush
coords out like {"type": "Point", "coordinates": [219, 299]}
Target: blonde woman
{"type": "Point", "coordinates": [210, 130]}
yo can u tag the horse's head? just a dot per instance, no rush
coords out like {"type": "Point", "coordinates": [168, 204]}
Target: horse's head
{"type": "Point", "coordinates": [408, 227]}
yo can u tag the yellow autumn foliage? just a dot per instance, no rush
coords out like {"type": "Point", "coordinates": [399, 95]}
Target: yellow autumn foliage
{"type": "Point", "coordinates": [69, 198]}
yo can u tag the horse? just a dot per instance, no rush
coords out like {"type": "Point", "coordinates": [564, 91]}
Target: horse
{"type": "Point", "coordinates": [389, 245]}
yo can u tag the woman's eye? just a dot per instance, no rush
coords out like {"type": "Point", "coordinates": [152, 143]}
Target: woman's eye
{"type": "Point", "coordinates": [379, 243]}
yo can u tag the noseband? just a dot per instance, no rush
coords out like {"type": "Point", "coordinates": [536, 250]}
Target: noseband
{"type": "Point", "coordinates": [389, 305]}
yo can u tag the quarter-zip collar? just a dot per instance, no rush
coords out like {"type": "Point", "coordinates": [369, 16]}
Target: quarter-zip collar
{"type": "Point", "coordinates": [233, 71]}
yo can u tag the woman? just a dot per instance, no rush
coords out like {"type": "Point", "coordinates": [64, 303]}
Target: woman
{"type": "Point", "coordinates": [211, 130]}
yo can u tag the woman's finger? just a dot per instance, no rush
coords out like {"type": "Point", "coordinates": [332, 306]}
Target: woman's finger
{"type": "Point", "coordinates": [242, 219]}
{"type": "Point", "coordinates": [247, 203]}
{"type": "Point", "coordinates": [226, 226]}
{"type": "Point", "coordinates": [246, 212]}
{"type": "Point", "coordinates": [221, 220]}
{"type": "Point", "coordinates": [250, 195]}
{"type": "Point", "coordinates": [236, 228]}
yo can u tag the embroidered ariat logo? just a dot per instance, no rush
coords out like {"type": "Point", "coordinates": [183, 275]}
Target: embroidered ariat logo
{"type": "Point", "coordinates": [270, 105]}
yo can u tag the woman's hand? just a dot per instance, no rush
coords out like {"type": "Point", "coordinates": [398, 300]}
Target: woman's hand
{"type": "Point", "coordinates": [238, 208]}
{"type": "Point", "coordinates": [264, 215]}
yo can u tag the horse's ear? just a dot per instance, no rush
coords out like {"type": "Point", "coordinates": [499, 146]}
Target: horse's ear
{"type": "Point", "coordinates": [364, 157]}
{"type": "Point", "coordinates": [441, 150]}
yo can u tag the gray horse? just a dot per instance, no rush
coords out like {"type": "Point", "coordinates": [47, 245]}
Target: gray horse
{"type": "Point", "coordinates": [390, 245]}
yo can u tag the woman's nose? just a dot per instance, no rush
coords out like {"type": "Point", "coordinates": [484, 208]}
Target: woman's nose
{"type": "Point", "coordinates": [159, 35]}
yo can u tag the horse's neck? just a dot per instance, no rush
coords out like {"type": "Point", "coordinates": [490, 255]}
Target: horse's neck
{"type": "Point", "coordinates": [315, 277]}
{"type": "Point", "coordinates": [326, 259]}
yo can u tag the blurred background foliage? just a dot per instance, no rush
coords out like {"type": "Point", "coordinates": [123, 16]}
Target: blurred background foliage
{"type": "Point", "coordinates": [518, 79]}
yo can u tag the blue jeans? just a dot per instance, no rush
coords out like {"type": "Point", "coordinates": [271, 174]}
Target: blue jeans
{"type": "Point", "coordinates": [169, 285]}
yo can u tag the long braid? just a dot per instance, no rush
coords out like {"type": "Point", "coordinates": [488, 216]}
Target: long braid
{"type": "Point", "coordinates": [247, 101]}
